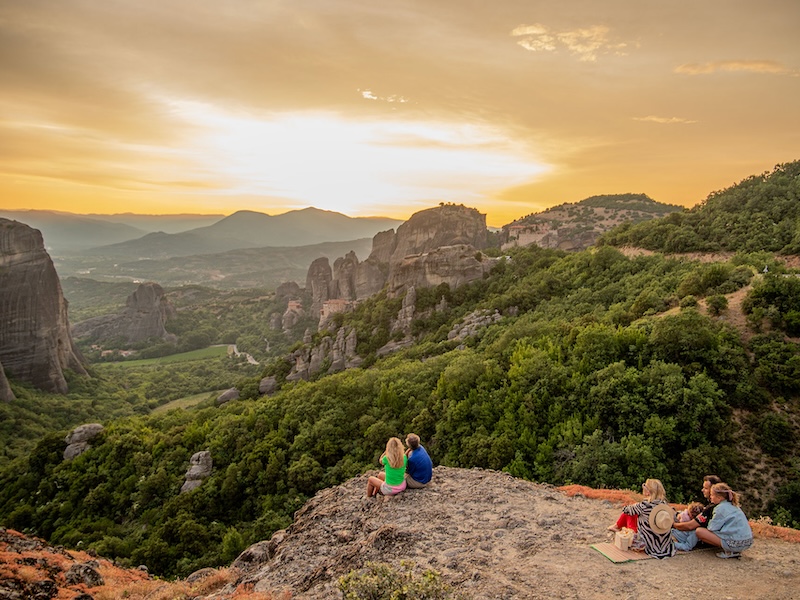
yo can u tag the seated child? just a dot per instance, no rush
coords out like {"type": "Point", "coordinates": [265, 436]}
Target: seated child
{"type": "Point", "coordinates": [694, 509]}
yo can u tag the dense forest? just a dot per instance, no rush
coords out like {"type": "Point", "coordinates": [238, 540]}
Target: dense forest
{"type": "Point", "coordinates": [760, 213]}
{"type": "Point", "coordinates": [604, 370]}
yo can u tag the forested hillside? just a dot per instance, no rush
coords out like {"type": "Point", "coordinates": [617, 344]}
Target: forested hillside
{"type": "Point", "coordinates": [603, 370]}
{"type": "Point", "coordinates": [761, 212]}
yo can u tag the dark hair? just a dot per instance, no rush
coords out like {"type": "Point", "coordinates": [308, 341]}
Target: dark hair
{"type": "Point", "coordinates": [712, 479]}
{"type": "Point", "coordinates": [412, 440]}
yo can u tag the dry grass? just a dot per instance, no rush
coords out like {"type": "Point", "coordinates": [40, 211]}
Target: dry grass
{"type": "Point", "coordinates": [620, 497]}
{"type": "Point", "coordinates": [181, 590]}
{"type": "Point", "coordinates": [762, 528]}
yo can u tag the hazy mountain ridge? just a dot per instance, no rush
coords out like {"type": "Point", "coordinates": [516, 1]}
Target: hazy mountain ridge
{"type": "Point", "coordinates": [70, 233]}
{"type": "Point", "coordinates": [250, 229]}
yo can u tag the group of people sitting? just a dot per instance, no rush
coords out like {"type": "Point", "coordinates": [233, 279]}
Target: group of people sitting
{"type": "Point", "coordinates": [658, 530]}
{"type": "Point", "coordinates": [661, 533]}
{"type": "Point", "coordinates": [402, 468]}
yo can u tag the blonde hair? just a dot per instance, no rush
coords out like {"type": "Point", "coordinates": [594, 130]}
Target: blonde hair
{"type": "Point", "coordinates": [395, 452]}
{"type": "Point", "coordinates": [724, 490]}
{"type": "Point", "coordinates": [656, 489]}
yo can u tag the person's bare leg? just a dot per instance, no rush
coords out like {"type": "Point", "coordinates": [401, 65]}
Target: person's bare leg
{"type": "Point", "coordinates": [373, 486]}
{"type": "Point", "coordinates": [706, 536]}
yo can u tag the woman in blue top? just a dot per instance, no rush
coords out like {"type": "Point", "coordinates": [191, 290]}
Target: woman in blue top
{"type": "Point", "coordinates": [728, 528]}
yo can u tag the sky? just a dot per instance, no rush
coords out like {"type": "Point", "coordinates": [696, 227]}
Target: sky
{"type": "Point", "coordinates": [377, 108]}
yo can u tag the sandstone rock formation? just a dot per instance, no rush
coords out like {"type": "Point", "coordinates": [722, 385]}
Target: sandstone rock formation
{"type": "Point", "coordinates": [452, 265]}
{"type": "Point", "coordinates": [78, 439]}
{"type": "Point", "coordinates": [424, 236]}
{"type": "Point", "coordinates": [318, 283]}
{"type": "Point", "coordinates": [200, 466]}
{"type": "Point", "coordinates": [6, 394]}
{"type": "Point", "coordinates": [337, 352]}
{"type": "Point", "coordinates": [35, 341]}
{"type": "Point", "coordinates": [146, 312]}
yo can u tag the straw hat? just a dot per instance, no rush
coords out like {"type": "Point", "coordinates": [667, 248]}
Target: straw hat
{"type": "Point", "coordinates": [661, 518]}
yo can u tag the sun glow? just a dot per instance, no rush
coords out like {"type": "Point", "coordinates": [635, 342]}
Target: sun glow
{"type": "Point", "coordinates": [354, 166]}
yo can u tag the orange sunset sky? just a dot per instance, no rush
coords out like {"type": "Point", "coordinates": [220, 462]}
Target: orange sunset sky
{"type": "Point", "coordinates": [370, 108]}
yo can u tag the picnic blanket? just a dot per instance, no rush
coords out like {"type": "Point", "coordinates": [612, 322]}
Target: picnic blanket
{"type": "Point", "coordinates": [614, 554]}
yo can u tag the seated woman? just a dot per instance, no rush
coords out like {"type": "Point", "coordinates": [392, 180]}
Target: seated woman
{"type": "Point", "coordinates": [655, 518]}
{"type": "Point", "coordinates": [728, 528]}
{"type": "Point", "coordinates": [393, 480]}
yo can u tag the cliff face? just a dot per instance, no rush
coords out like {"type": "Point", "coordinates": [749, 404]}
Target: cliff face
{"type": "Point", "coordinates": [146, 312]}
{"type": "Point", "coordinates": [446, 225]}
{"type": "Point", "coordinates": [414, 256]}
{"type": "Point", "coordinates": [35, 341]}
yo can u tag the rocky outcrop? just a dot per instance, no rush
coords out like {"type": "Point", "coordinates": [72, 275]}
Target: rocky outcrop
{"type": "Point", "coordinates": [318, 283]}
{"type": "Point", "coordinates": [332, 354]}
{"type": "Point", "coordinates": [426, 232]}
{"type": "Point", "coordinates": [343, 284]}
{"type": "Point", "coordinates": [78, 439]}
{"type": "Point", "coordinates": [227, 396]}
{"type": "Point", "coordinates": [446, 225]}
{"type": "Point", "coordinates": [6, 394]}
{"type": "Point", "coordinates": [452, 265]}
{"type": "Point", "coordinates": [486, 533]}
{"type": "Point", "coordinates": [288, 291]}
{"type": "Point", "coordinates": [292, 315]}
{"type": "Point", "coordinates": [267, 386]}
{"type": "Point", "coordinates": [35, 342]}
{"type": "Point", "coordinates": [200, 467]}
{"type": "Point", "coordinates": [144, 317]}
{"type": "Point", "coordinates": [473, 323]}
{"type": "Point", "coordinates": [577, 226]}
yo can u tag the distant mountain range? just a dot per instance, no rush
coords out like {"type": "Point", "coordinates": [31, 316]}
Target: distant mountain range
{"type": "Point", "coordinates": [248, 229]}
{"type": "Point", "coordinates": [134, 237]}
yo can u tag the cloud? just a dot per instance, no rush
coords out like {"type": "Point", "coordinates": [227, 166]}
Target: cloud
{"type": "Point", "coordinates": [667, 120]}
{"type": "Point", "coordinates": [585, 43]}
{"type": "Point", "coordinates": [368, 95]}
{"type": "Point", "coordinates": [769, 67]}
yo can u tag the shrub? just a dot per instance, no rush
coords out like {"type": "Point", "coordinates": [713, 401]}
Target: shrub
{"type": "Point", "coordinates": [381, 581]}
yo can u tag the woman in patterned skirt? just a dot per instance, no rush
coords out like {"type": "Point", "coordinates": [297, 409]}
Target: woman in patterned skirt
{"type": "Point", "coordinates": [654, 534]}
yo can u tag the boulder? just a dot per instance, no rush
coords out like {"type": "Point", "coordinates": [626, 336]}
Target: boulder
{"type": "Point", "coordinates": [84, 573]}
{"type": "Point", "coordinates": [267, 386]}
{"type": "Point", "coordinates": [35, 341]}
{"type": "Point", "coordinates": [200, 466]}
{"type": "Point", "coordinates": [227, 396]}
{"type": "Point", "coordinates": [78, 439]}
